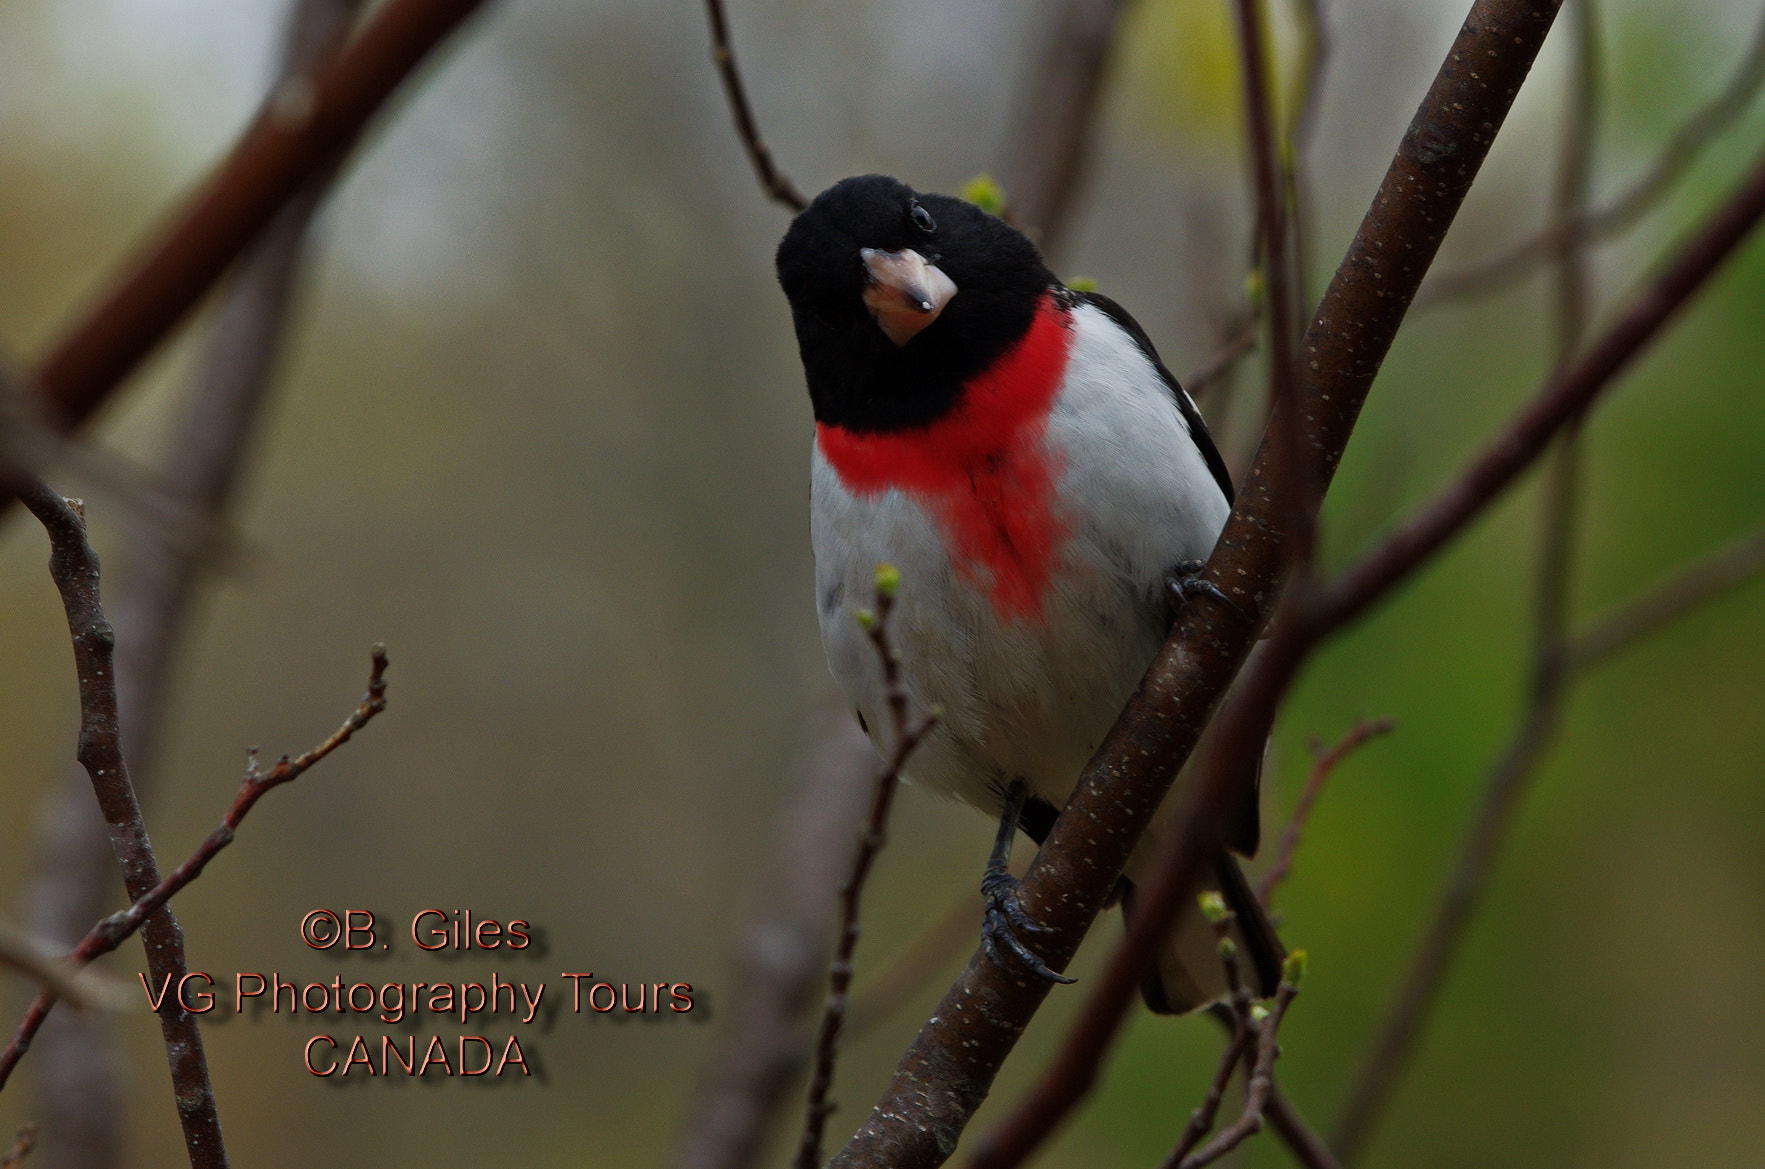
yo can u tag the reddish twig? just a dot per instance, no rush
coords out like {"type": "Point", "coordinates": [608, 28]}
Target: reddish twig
{"type": "Point", "coordinates": [947, 1071]}
{"type": "Point", "coordinates": [21, 1148]}
{"type": "Point", "coordinates": [1236, 1010]}
{"type": "Point", "coordinates": [1324, 764]}
{"type": "Point", "coordinates": [907, 736]}
{"type": "Point", "coordinates": [774, 182]}
{"type": "Point", "coordinates": [1592, 226]}
{"type": "Point", "coordinates": [303, 129]}
{"type": "Point", "coordinates": [79, 1094]}
{"type": "Point", "coordinates": [1259, 1085]}
{"type": "Point", "coordinates": [936, 947]}
{"type": "Point", "coordinates": [108, 934]}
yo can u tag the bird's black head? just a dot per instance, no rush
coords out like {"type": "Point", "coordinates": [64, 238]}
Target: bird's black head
{"type": "Point", "coordinates": [899, 298]}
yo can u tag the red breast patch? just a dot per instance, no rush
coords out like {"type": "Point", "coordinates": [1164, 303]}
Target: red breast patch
{"type": "Point", "coordinates": [982, 472]}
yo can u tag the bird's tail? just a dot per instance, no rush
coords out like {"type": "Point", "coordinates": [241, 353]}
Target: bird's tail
{"type": "Point", "coordinates": [1188, 973]}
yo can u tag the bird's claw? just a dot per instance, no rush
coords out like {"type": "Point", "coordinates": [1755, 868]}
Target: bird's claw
{"type": "Point", "coordinates": [1005, 917]}
{"type": "Point", "coordinates": [1185, 581]}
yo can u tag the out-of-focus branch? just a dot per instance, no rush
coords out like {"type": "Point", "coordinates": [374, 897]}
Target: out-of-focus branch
{"type": "Point", "coordinates": [1550, 628]}
{"type": "Point", "coordinates": [1240, 340]}
{"type": "Point", "coordinates": [1687, 589]}
{"type": "Point", "coordinates": [948, 1070]}
{"type": "Point", "coordinates": [302, 129]}
{"type": "Point", "coordinates": [108, 934]}
{"type": "Point", "coordinates": [774, 182]}
{"type": "Point", "coordinates": [79, 1093]}
{"type": "Point", "coordinates": [1592, 226]}
{"type": "Point", "coordinates": [1050, 145]}
{"type": "Point", "coordinates": [905, 735]}
{"type": "Point", "coordinates": [781, 960]}
{"type": "Point", "coordinates": [939, 944]}
{"type": "Point", "coordinates": [1324, 764]}
{"type": "Point", "coordinates": [34, 960]}
{"type": "Point", "coordinates": [1314, 65]}
{"type": "Point", "coordinates": [21, 1148]}
{"type": "Point", "coordinates": [74, 567]}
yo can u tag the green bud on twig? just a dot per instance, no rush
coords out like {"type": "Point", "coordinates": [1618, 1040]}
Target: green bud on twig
{"type": "Point", "coordinates": [1293, 969]}
{"type": "Point", "coordinates": [866, 619]}
{"type": "Point", "coordinates": [1258, 1013]}
{"type": "Point", "coordinates": [1213, 907]}
{"type": "Point", "coordinates": [1082, 284]}
{"type": "Point", "coordinates": [1228, 948]}
{"type": "Point", "coordinates": [888, 579]}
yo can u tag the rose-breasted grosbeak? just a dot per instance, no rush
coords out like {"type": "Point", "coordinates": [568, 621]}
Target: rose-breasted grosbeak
{"type": "Point", "coordinates": [1020, 453]}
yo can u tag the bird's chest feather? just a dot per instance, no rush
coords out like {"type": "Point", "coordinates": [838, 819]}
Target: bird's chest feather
{"type": "Point", "coordinates": [984, 475]}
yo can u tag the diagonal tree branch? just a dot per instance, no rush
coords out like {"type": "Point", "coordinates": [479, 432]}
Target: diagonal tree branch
{"type": "Point", "coordinates": [946, 1073]}
{"type": "Point", "coordinates": [774, 182]}
{"type": "Point", "coordinates": [110, 933]}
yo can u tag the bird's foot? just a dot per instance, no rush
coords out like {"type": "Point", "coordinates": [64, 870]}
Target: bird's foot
{"type": "Point", "coordinates": [1184, 581]}
{"type": "Point", "coordinates": [1005, 920]}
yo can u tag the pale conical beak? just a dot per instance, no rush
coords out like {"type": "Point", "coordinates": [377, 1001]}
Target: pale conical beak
{"type": "Point", "coordinates": [905, 294]}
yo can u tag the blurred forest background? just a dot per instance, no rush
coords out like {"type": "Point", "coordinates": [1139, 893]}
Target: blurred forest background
{"type": "Point", "coordinates": [541, 428]}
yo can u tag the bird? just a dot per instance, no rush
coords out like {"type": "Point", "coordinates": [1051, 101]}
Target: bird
{"type": "Point", "coordinates": [1047, 492]}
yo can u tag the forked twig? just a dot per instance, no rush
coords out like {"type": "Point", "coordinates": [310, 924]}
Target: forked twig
{"type": "Point", "coordinates": [108, 934]}
{"type": "Point", "coordinates": [907, 735]}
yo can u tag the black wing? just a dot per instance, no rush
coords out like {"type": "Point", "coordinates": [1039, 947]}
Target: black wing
{"type": "Point", "coordinates": [1192, 416]}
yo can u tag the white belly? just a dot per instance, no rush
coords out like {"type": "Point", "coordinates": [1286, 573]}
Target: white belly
{"type": "Point", "coordinates": [1027, 697]}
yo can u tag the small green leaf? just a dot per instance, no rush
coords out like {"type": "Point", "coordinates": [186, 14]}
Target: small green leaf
{"type": "Point", "coordinates": [985, 192]}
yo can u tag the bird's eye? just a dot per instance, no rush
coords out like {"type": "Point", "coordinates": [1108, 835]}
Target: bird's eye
{"type": "Point", "coordinates": [922, 219]}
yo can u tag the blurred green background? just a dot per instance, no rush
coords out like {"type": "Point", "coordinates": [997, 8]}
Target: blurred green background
{"type": "Point", "coordinates": [541, 428]}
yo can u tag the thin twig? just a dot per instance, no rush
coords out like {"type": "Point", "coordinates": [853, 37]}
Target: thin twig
{"type": "Point", "coordinates": [1316, 46]}
{"type": "Point", "coordinates": [81, 990]}
{"type": "Point", "coordinates": [1592, 226]}
{"type": "Point", "coordinates": [76, 1073]}
{"type": "Point", "coordinates": [74, 567]}
{"type": "Point", "coordinates": [108, 934]}
{"type": "Point", "coordinates": [1306, 1146]}
{"type": "Point", "coordinates": [1240, 337]}
{"type": "Point", "coordinates": [936, 947]}
{"type": "Point", "coordinates": [907, 735]}
{"type": "Point", "coordinates": [1324, 764]}
{"type": "Point", "coordinates": [21, 1148]}
{"type": "Point", "coordinates": [945, 1075]}
{"type": "Point", "coordinates": [1259, 1086]}
{"type": "Point", "coordinates": [774, 182]}
{"type": "Point", "coordinates": [1687, 589]}
{"type": "Point", "coordinates": [1051, 141]}
{"type": "Point", "coordinates": [1236, 1009]}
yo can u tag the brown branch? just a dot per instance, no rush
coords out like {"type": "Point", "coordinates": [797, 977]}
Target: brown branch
{"type": "Point", "coordinates": [774, 182]}
{"type": "Point", "coordinates": [946, 1073]}
{"type": "Point", "coordinates": [907, 735]}
{"type": "Point", "coordinates": [1236, 1014]}
{"type": "Point", "coordinates": [34, 960]}
{"type": "Point", "coordinates": [78, 1094]}
{"type": "Point", "coordinates": [1316, 46]}
{"type": "Point", "coordinates": [1239, 340]}
{"type": "Point", "coordinates": [108, 934]}
{"type": "Point", "coordinates": [781, 961]}
{"type": "Point", "coordinates": [1324, 764]}
{"type": "Point", "coordinates": [1051, 142]}
{"type": "Point", "coordinates": [74, 567]}
{"type": "Point", "coordinates": [1592, 226]}
{"type": "Point", "coordinates": [1307, 1148]}
{"type": "Point", "coordinates": [1566, 396]}
{"type": "Point", "coordinates": [21, 1148]}
{"type": "Point", "coordinates": [1259, 1086]}
{"type": "Point", "coordinates": [303, 129]}
{"type": "Point", "coordinates": [1687, 589]}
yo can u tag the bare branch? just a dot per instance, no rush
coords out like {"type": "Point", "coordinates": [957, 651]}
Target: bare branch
{"type": "Point", "coordinates": [1307, 1148]}
{"type": "Point", "coordinates": [906, 735]}
{"type": "Point", "coordinates": [304, 128]}
{"type": "Point", "coordinates": [74, 567]}
{"type": "Point", "coordinates": [938, 945]}
{"type": "Point", "coordinates": [1261, 1083]}
{"type": "Point", "coordinates": [774, 182]}
{"type": "Point", "coordinates": [1240, 340]}
{"type": "Point", "coordinates": [1687, 589]}
{"type": "Point", "coordinates": [1051, 143]}
{"type": "Point", "coordinates": [1324, 764]}
{"type": "Point", "coordinates": [108, 934]}
{"type": "Point", "coordinates": [77, 1079]}
{"type": "Point", "coordinates": [1235, 1011]}
{"type": "Point", "coordinates": [31, 958]}
{"type": "Point", "coordinates": [1592, 226]}
{"type": "Point", "coordinates": [946, 1073]}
